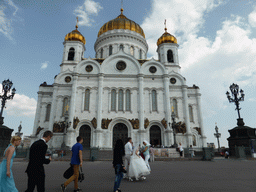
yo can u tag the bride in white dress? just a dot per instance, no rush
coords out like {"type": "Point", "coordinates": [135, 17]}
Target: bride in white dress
{"type": "Point", "coordinates": [137, 168]}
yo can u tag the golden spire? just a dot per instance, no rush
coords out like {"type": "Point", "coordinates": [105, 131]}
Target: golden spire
{"type": "Point", "coordinates": [76, 23]}
{"type": "Point", "coordinates": [122, 7]}
{"type": "Point", "coordinates": [165, 26]}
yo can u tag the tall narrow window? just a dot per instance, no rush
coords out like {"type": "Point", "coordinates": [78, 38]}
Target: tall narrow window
{"type": "Point", "coordinates": [113, 100]}
{"type": "Point", "coordinates": [154, 101]}
{"type": "Point", "coordinates": [87, 100]}
{"type": "Point", "coordinates": [128, 100]}
{"type": "Point", "coordinates": [120, 100]}
{"type": "Point", "coordinates": [121, 47]}
{"type": "Point", "coordinates": [65, 103]}
{"type": "Point", "coordinates": [101, 53]}
{"type": "Point", "coordinates": [110, 50]}
{"type": "Point", "coordinates": [191, 113]}
{"type": "Point", "coordinates": [140, 54]}
{"type": "Point", "coordinates": [48, 112]}
{"type": "Point", "coordinates": [132, 50]}
{"type": "Point", "coordinates": [175, 107]}
{"type": "Point", "coordinates": [71, 54]}
{"type": "Point", "coordinates": [194, 140]}
{"type": "Point", "coordinates": [170, 56]}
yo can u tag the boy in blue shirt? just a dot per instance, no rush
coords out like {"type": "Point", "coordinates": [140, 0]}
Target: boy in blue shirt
{"type": "Point", "coordinates": [76, 160]}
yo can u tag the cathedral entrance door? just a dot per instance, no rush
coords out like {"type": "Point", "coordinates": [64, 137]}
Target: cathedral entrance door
{"type": "Point", "coordinates": [155, 135]}
{"type": "Point", "coordinates": [85, 133]}
{"type": "Point", "coordinates": [120, 131]}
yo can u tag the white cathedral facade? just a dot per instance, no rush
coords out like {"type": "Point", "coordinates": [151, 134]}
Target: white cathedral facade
{"type": "Point", "coordinates": [119, 93]}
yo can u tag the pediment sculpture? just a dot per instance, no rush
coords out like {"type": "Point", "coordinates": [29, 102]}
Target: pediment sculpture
{"type": "Point", "coordinates": [38, 130]}
{"type": "Point", "coordinates": [135, 123]}
{"type": "Point", "coordinates": [58, 127]}
{"type": "Point", "coordinates": [105, 123]}
{"type": "Point", "coordinates": [164, 123]}
{"type": "Point", "coordinates": [180, 127]}
{"type": "Point", "coordinates": [198, 130]}
{"type": "Point", "coordinates": [146, 123]}
{"type": "Point", "coordinates": [94, 122]}
{"type": "Point", "coordinates": [75, 122]}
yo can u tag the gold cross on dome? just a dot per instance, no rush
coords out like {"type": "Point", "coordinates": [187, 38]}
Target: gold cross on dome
{"type": "Point", "coordinates": [67, 107]}
{"type": "Point", "coordinates": [165, 25]}
{"type": "Point", "coordinates": [76, 22]}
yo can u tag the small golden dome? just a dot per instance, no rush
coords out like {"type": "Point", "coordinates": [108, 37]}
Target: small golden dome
{"type": "Point", "coordinates": [166, 38]}
{"type": "Point", "coordinates": [75, 35]}
{"type": "Point", "coordinates": [121, 22]}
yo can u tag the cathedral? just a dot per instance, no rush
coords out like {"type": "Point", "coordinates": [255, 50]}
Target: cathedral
{"type": "Point", "coordinates": [119, 93]}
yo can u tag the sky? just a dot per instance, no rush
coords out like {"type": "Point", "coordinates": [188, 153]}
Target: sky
{"type": "Point", "coordinates": [217, 47]}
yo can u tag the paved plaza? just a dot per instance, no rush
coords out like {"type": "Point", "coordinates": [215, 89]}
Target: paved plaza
{"type": "Point", "coordinates": [217, 175]}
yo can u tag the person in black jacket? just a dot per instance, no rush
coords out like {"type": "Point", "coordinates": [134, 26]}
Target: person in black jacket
{"type": "Point", "coordinates": [35, 169]}
{"type": "Point", "coordinates": [118, 163]}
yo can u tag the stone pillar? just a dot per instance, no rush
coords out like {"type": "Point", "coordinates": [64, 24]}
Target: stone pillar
{"type": "Point", "coordinates": [186, 112]}
{"type": "Point", "coordinates": [169, 132]}
{"type": "Point", "coordinates": [98, 131]}
{"type": "Point", "coordinates": [141, 108]}
{"type": "Point", "coordinates": [200, 117]}
{"type": "Point", "coordinates": [53, 107]}
{"type": "Point", "coordinates": [42, 114]}
{"type": "Point", "coordinates": [59, 108]}
{"type": "Point", "coordinates": [38, 112]}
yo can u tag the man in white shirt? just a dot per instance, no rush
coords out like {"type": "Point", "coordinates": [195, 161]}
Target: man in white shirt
{"type": "Point", "coordinates": [128, 153]}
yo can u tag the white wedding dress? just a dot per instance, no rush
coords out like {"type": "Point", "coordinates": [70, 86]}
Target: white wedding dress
{"type": "Point", "coordinates": [137, 167]}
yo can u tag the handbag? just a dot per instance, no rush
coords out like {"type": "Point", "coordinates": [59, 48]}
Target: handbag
{"type": "Point", "coordinates": [81, 175]}
{"type": "Point", "coordinates": [69, 172]}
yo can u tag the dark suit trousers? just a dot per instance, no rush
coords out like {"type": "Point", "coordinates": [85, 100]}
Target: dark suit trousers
{"type": "Point", "coordinates": [36, 180]}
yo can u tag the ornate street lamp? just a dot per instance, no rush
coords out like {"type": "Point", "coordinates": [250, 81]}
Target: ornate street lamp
{"type": "Point", "coordinates": [173, 128]}
{"type": "Point", "coordinates": [217, 135]}
{"type": "Point", "coordinates": [65, 124]}
{"type": "Point", "coordinates": [19, 131]}
{"type": "Point", "coordinates": [7, 85]}
{"type": "Point", "coordinates": [234, 88]}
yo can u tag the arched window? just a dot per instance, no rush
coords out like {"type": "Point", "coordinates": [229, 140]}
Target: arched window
{"type": "Point", "coordinates": [48, 112]}
{"type": "Point", "coordinates": [113, 100]}
{"type": "Point", "coordinates": [110, 50]}
{"type": "Point", "coordinates": [101, 53]}
{"type": "Point", "coordinates": [154, 101]}
{"type": "Point", "coordinates": [71, 54]}
{"type": "Point", "coordinates": [140, 54]}
{"type": "Point", "coordinates": [175, 107]}
{"type": "Point", "coordinates": [65, 103]}
{"type": "Point", "coordinates": [170, 56]}
{"type": "Point", "coordinates": [128, 100]}
{"type": "Point", "coordinates": [194, 140]}
{"type": "Point", "coordinates": [191, 113]}
{"type": "Point", "coordinates": [132, 50]}
{"type": "Point", "coordinates": [120, 100]}
{"type": "Point", "coordinates": [87, 100]}
{"type": "Point", "coordinates": [121, 47]}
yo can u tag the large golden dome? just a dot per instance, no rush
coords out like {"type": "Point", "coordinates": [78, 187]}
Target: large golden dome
{"type": "Point", "coordinates": [166, 38]}
{"type": "Point", "coordinates": [75, 35]}
{"type": "Point", "coordinates": [121, 22]}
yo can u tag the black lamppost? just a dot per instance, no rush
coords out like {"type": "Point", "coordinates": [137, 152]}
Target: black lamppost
{"type": "Point", "coordinates": [234, 88]}
{"type": "Point", "coordinates": [173, 128]}
{"type": "Point", "coordinates": [7, 85]}
{"type": "Point", "coordinates": [217, 135]}
{"type": "Point", "coordinates": [65, 124]}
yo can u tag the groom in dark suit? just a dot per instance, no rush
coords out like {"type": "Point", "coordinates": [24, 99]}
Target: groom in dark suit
{"type": "Point", "coordinates": [35, 169]}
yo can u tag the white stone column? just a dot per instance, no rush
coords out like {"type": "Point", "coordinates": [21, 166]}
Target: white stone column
{"type": "Point", "coordinates": [200, 117]}
{"type": "Point", "coordinates": [141, 108]}
{"type": "Point", "coordinates": [42, 114]}
{"type": "Point", "coordinates": [169, 132]}
{"type": "Point", "coordinates": [186, 112]}
{"type": "Point", "coordinates": [109, 100]}
{"type": "Point", "coordinates": [53, 107]}
{"type": "Point", "coordinates": [116, 100]}
{"type": "Point", "coordinates": [59, 107]}
{"type": "Point", "coordinates": [150, 101]}
{"type": "Point", "coordinates": [38, 112]}
{"type": "Point", "coordinates": [98, 131]}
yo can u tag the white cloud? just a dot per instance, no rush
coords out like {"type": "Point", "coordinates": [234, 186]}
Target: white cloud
{"type": "Point", "coordinates": [6, 19]}
{"type": "Point", "coordinates": [20, 105]}
{"type": "Point", "coordinates": [44, 65]}
{"type": "Point", "coordinates": [252, 18]}
{"type": "Point", "coordinates": [85, 12]}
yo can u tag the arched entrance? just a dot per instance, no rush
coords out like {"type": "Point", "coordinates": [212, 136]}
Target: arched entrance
{"type": "Point", "coordinates": [120, 131]}
{"type": "Point", "coordinates": [155, 135]}
{"type": "Point", "coordinates": [85, 133]}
